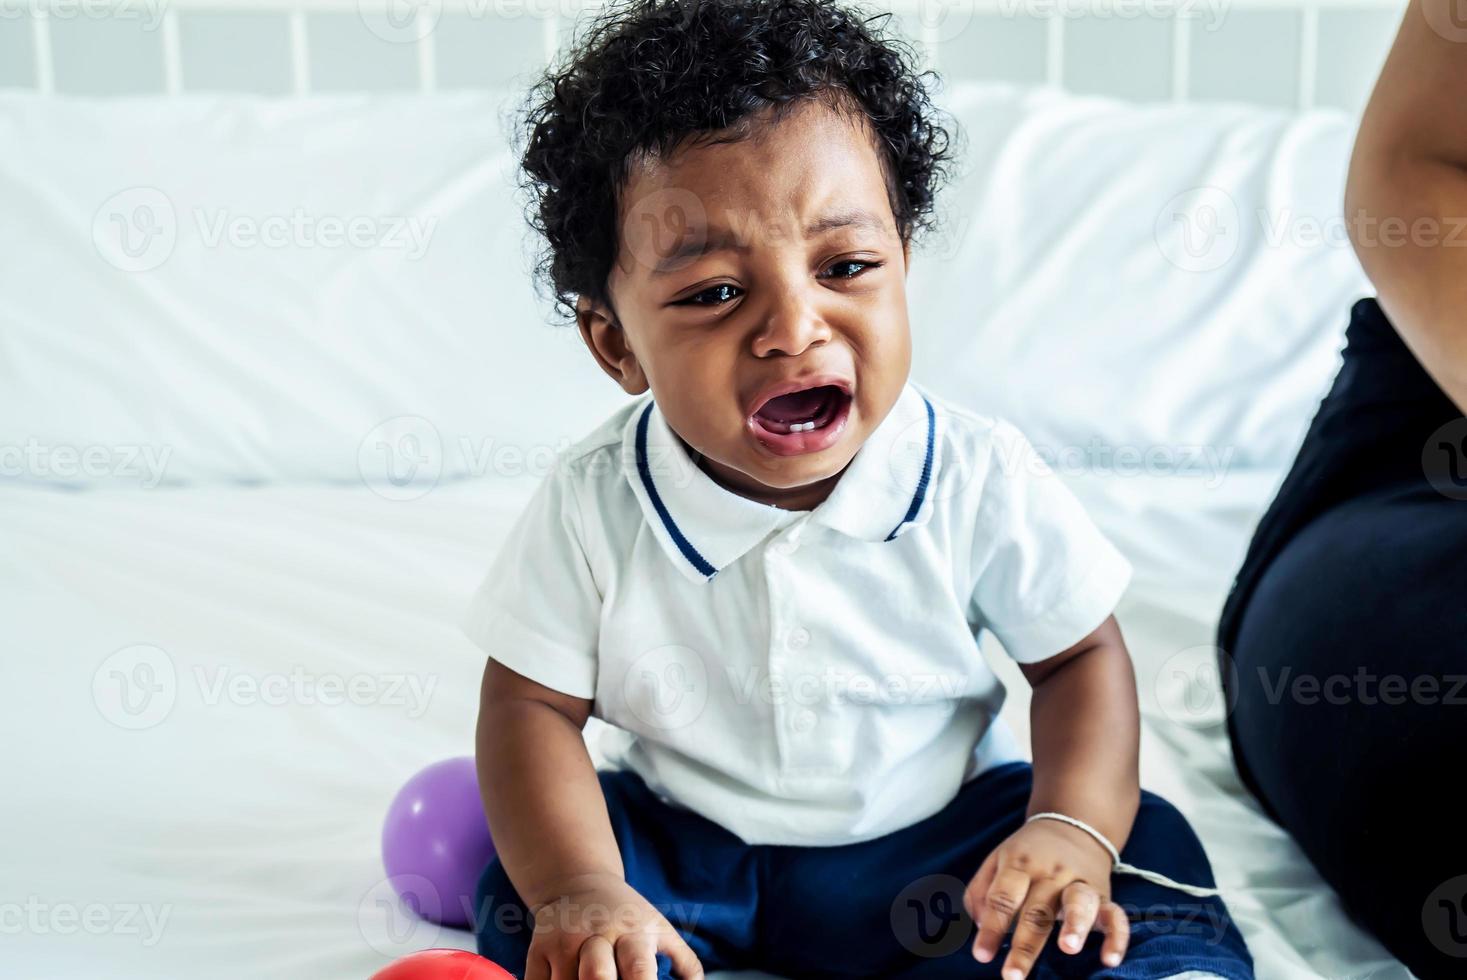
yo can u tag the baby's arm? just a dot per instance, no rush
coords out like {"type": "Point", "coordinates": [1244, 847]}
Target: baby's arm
{"type": "Point", "coordinates": [1086, 741]}
{"type": "Point", "coordinates": [553, 834]}
{"type": "Point", "coordinates": [1086, 734]}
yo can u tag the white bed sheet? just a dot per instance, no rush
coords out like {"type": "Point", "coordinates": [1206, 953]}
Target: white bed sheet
{"type": "Point", "coordinates": [239, 838]}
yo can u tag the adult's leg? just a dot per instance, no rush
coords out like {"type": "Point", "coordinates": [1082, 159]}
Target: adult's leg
{"type": "Point", "coordinates": [696, 873]}
{"type": "Point", "coordinates": [892, 907]}
{"type": "Point", "coordinates": [1347, 633]}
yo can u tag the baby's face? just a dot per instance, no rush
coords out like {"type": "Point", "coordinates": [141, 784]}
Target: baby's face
{"type": "Point", "coordinates": [781, 341]}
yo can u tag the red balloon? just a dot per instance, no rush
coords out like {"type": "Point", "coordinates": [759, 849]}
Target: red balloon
{"type": "Point", "coordinates": [442, 964]}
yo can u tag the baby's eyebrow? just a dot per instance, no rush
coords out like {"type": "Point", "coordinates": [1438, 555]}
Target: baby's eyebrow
{"type": "Point", "coordinates": [846, 217]}
{"type": "Point", "coordinates": [720, 239]}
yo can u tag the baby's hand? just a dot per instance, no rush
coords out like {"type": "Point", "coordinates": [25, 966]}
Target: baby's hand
{"type": "Point", "coordinates": [1042, 869]}
{"type": "Point", "coordinates": [600, 928]}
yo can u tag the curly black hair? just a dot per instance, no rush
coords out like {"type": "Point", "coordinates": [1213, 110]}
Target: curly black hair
{"type": "Point", "coordinates": [645, 75]}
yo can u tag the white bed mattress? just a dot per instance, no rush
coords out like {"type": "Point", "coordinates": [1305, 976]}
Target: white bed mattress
{"type": "Point", "coordinates": [237, 837]}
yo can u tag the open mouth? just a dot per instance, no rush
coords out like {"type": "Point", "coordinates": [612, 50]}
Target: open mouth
{"type": "Point", "coordinates": [801, 421]}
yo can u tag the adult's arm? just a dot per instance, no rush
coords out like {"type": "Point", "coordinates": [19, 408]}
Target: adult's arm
{"type": "Point", "coordinates": [1406, 195]}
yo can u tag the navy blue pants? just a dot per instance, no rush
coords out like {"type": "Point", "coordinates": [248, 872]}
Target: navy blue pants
{"type": "Point", "coordinates": [890, 907]}
{"type": "Point", "coordinates": [1346, 632]}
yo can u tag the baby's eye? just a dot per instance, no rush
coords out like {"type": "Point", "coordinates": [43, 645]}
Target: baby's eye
{"type": "Point", "coordinates": [697, 298]}
{"type": "Point", "coordinates": [849, 262]}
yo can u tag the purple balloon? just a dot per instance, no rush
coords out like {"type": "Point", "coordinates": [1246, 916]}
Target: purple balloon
{"type": "Point", "coordinates": [435, 842]}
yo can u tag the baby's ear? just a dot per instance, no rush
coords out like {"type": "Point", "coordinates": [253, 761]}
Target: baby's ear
{"type": "Point", "coordinates": [608, 343]}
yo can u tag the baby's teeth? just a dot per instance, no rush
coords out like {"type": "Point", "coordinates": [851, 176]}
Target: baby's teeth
{"type": "Point", "coordinates": [802, 426]}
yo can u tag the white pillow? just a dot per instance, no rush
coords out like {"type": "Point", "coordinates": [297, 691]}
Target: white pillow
{"type": "Point", "coordinates": [184, 301]}
{"type": "Point", "coordinates": [1067, 295]}
{"type": "Point", "coordinates": [226, 288]}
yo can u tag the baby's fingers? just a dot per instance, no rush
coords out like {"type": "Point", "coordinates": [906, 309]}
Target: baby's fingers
{"type": "Point", "coordinates": [977, 889]}
{"type": "Point", "coordinates": [1002, 902]}
{"type": "Point", "coordinates": [1117, 928]}
{"type": "Point", "coordinates": [1081, 903]}
{"type": "Point", "coordinates": [636, 956]}
{"type": "Point", "coordinates": [537, 967]}
{"type": "Point", "coordinates": [598, 961]}
{"type": "Point", "coordinates": [1036, 922]}
{"type": "Point", "coordinates": [685, 962]}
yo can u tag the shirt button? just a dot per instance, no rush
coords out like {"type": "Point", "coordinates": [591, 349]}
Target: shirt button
{"type": "Point", "coordinates": [799, 638]}
{"type": "Point", "coordinates": [803, 720]}
{"type": "Point", "coordinates": [786, 546]}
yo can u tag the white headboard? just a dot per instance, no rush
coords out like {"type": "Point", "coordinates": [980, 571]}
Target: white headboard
{"type": "Point", "coordinates": [1290, 53]}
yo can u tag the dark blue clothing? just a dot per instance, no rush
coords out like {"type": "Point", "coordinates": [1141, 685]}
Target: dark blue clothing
{"type": "Point", "coordinates": [1346, 632]}
{"type": "Point", "coordinates": [889, 907]}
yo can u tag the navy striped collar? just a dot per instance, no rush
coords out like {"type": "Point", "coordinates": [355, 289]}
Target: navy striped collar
{"type": "Point", "coordinates": [703, 527]}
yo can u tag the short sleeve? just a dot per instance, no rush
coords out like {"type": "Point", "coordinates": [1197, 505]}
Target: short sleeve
{"type": "Point", "coordinates": [537, 610]}
{"type": "Point", "coordinates": [1044, 575]}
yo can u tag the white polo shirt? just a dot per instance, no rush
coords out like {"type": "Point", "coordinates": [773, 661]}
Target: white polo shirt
{"type": "Point", "coordinates": [799, 677]}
